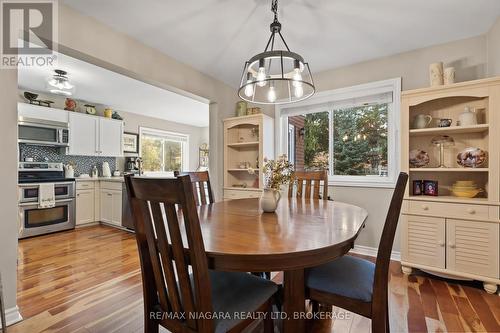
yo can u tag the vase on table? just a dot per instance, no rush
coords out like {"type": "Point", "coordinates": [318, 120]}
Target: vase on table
{"type": "Point", "coordinates": [269, 200]}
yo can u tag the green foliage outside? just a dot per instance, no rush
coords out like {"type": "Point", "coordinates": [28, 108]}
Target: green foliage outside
{"type": "Point", "coordinates": [153, 149]}
{"type": "Point", "coordinates": [359, 139]}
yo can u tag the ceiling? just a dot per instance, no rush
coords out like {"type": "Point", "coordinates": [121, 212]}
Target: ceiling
{"type": "Point", "coordinates": [217, 36]}
{"type": "Point", "coordinates": [122, 93]}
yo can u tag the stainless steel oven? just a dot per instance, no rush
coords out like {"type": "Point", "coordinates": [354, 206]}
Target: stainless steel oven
{"type": "Point", "coordinates": [35, 220]}
{"type": "Point", "coordinates": [43, 132]}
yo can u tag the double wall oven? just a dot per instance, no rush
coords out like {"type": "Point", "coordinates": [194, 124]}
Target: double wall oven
{"type": "Point", "coordinates": [34, 220]}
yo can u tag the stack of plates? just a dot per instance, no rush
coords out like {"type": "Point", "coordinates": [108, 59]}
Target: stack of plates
{"type": "Point", "coordinates": [465, 189]}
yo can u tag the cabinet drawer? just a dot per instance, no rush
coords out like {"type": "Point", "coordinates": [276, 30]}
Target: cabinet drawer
{"type": "Point", "coordinates": [241, 194]}
{"type": "Point", "coordinates": [117, 186]}
{"type": "Point", "coordinates": [467, 211]}
{"type": "Point", "coordinates": [85, 185]}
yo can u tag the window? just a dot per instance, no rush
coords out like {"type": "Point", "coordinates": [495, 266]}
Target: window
{"type": "Point", "coordinates": [163, 151]}
{"type": "Point", "coordinates": [351, 132]}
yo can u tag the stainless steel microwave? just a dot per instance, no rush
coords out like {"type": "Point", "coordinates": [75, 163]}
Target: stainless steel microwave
{"type": "Point", "coordinates": [43, 132]}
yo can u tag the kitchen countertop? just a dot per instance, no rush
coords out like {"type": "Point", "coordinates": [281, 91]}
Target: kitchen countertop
{"type": "Point", "coordinates": [107, 179]}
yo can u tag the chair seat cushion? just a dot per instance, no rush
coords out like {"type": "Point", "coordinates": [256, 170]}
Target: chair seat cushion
{"type": "Point", "coordinates": [347, 276]}
{"type": "Point", "coordinates": [234, 292]}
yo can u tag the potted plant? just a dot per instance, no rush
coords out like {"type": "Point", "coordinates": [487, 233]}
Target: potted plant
{"type": "Point", "coordinates": [276, 174]}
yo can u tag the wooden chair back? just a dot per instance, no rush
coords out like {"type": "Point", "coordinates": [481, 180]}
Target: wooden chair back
{"type": "Point", "coordinates": [307, 184]}
{"type": "Point", "coordinates": [202, 188]}
{"type": "Point", "coordinates": [380, 284]}
{"type": "Point", "coordinates": [165, 264]}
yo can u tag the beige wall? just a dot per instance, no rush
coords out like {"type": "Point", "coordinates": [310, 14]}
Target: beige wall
{"type": "Point", "coordinates": [8, 176]}
{"type": "Point", "coordinates": [493, 45]}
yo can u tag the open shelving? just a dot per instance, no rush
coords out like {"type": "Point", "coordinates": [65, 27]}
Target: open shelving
{"type": "Point", "coordinates": [247, 141]}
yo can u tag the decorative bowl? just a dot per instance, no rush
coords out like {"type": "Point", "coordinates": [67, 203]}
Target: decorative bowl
{"type": "Point", "coordinates": [466, 193]}
{"type": "Point", "coordinates": [472, 157]}
{"type": "Point", "coordinates": [418, 158]}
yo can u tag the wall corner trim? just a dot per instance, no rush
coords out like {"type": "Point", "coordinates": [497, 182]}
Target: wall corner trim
{"type": "Point", "coordinates": [372, 252]}
{"type": "Point", "coordinates": [12, 316]}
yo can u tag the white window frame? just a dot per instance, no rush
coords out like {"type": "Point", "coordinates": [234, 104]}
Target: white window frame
{"type": "Point", "coordinates": [319, 103]}
{"type": "Point", "coordinates": [291, 134]}
{"type": "Point", "coordinates": [183, 139]}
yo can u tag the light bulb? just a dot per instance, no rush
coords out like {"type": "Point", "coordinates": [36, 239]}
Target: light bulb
{"type": "Point", "coordinates": [271, 94]}
{"type": "Point", "coordinates": [249, 86]}
{"type": "Point", "coordinates": [296, 77]}
{"type": "Point", "coordinates": [298, 91]}
{"type": "Point", "coordinates": [261, 74]}
{"type": "Point", "coordinates": [249, 90]}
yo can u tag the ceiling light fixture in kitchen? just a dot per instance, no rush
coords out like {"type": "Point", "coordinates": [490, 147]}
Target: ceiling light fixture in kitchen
{"type": "Point", "coordinates": [59, 84]}
{"type": "Point", "coordinates": [276, 76]}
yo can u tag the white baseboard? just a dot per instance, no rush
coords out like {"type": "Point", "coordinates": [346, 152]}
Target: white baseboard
{"type": "Point", "coordinates": [12, 316]}
{"type": "Point", "coordinates": [372, 252]}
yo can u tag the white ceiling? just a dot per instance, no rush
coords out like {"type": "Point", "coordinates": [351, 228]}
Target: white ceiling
{"type": "Point", "coordinates": [217, 36]}
{"type": "Point", "coordinates": [101, 86]}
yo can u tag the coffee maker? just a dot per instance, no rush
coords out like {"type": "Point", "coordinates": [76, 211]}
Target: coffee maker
{"type": "Point", "coordinates": [131, 165]}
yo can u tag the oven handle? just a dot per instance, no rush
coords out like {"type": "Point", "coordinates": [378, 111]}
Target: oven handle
{"type": "Point", "coordinates": [25, 204]}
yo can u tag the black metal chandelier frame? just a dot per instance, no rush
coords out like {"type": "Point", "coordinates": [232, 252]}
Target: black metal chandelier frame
{"type": "Point", "coordinates": [249, 77]}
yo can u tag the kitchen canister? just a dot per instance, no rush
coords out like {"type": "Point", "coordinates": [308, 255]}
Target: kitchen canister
{"type": "Point", "coordinates": [449, 75]}
{"type": "Point", "coordinates": [436, 74]}
{"type": "Point", "coordinates": [241, 108]}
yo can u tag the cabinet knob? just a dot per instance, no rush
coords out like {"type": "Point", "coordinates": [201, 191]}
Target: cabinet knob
{"type": "Point", "coordinates": [441, 243]}
{"type": "Point", "coordinates": [471, 211]}
{"type": "Point", "coordinates": [425, 207]}
{"type": "Point", "coordinates": [452, 245]}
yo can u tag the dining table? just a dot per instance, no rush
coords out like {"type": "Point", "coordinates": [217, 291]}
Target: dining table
{"type": "Point", "coordinates": [301, 233]}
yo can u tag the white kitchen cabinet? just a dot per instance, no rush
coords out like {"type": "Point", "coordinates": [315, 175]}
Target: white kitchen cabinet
{"type": "Point", "coordinates": [85, 206]}
{"type": "Point", "coordinates": [83, 135]}
{"type": "Point", "coordinates": [110, 137]}
{"type": "Point", "coordinates": [95, 136]}
{"type": "Point", "coordinates": [423, 240]}
{"type": "Point", "coordinates": [111, 203]}
{"type": "Point", "coordinates": [473, 247]}
{"type": "Point", "coordinates": [25, 110]}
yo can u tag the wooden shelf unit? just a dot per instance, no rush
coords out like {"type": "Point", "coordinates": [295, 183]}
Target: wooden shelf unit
{"type": "Point", "coordinates": [446, 234]}
{"type": "Point", "coordinates": [246, 139]}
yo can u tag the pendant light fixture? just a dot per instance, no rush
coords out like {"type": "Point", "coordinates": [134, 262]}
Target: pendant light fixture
{"type": "Point", "coordinates": [276, 76]}
{"type": "Point", "coordinates": [59, 84]}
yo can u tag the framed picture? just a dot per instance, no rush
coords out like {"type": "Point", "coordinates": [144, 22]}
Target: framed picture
{"type": "Point", "coordinates": [130, 143]}
{"type": "Point", "coordinates": [418, 187]}
{"type": "Point", "coordinates": [431, 187]}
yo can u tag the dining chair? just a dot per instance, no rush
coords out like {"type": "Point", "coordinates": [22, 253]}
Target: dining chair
{"type": "Point", "coordinates": [2, 307]}
{"type": "Point", "coordinates": [358, 285]}
{"type": "Point", "coordinates": [180, 292]}
{"type": "Point", "coordinates": [307, 184]}
{"type": "Point", "coordinates": [201, 186]}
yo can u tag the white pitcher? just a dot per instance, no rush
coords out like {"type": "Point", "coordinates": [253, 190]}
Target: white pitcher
{"type": "Point", "coordinates": [269, 200]}
{"type": "Point", "coordinates": [421, 121]}
{"type": "Point", "coordinates": [106, 171]}
{"type": "Point", "coordinates": [468, 117]}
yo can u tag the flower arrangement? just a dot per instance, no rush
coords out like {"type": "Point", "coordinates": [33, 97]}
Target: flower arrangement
{"type": "Point", "coordinates": [277, 172]}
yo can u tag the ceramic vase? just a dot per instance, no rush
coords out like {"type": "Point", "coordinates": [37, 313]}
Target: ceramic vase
{"type": "Point", "coordinates": [449, 75]}
{"type": "Point", "coordinates": [436, 74]}
{"type": "Point", "coordinates": [269, 200]}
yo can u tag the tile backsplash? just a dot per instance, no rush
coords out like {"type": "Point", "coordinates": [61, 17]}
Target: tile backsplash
{"type": "Point", "coordinates": [83, 164]}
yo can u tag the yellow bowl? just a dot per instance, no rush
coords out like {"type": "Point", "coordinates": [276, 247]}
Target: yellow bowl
{"type": "Point", "coordinates": [466, 193]}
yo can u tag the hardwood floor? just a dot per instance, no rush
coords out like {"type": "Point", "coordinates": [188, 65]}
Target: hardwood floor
{"type": "Point", "coordinates": [88, 280]}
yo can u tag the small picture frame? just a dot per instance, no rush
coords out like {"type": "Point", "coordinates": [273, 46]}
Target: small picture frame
{"type": "Point", "coordinates": [418, 187]}
{"type": "Point", "coordinates": [431, 188]}
{"type": "Point", "coordinates": [130, 142]}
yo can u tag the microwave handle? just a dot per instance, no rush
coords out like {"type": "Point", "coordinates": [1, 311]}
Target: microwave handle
{"type": "Point", "coordinates": [35, 203]}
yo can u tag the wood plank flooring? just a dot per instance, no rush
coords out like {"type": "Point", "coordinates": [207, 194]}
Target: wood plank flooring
{"type": "Point", "coordinates": [88, 280]}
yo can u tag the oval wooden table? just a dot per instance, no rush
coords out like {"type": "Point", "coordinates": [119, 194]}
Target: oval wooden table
{"type": "Point", "coordinates": [302, 233]}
